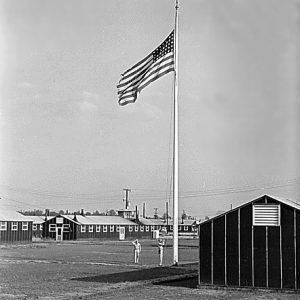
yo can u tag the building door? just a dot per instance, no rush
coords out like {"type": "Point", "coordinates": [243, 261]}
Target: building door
{"type": "Point", "coordinates": [122, 233]}
{"type": "Point", "coordinates": [59, 234]}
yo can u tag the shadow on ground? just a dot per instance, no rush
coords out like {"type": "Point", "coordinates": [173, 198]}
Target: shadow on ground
{"type": "Point", "coordinates": [190, 282]}
{"type": "Point", "coordinates": [137, 275]}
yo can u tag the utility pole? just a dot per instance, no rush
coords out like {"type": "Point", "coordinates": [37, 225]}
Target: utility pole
{"type": "Point", "coordinates": [167, 213]}
{"type": "Point", "coordinates": [126, 198]}
{"type": "Point", "coordinates": [155, 213]}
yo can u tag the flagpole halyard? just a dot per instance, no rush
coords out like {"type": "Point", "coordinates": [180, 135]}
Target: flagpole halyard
{"type": "Point", "coordinates": [158, 63]}
{"type": "Point", "coordinates": [175, 143]}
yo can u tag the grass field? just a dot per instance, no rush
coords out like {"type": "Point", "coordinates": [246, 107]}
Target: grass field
{"type": "Point", "coordinates": [105, 270]}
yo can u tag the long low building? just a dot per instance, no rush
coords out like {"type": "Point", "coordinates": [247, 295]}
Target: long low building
{"type": "Point", "coordinates": [184, 226]}
{"type": "Point", "coordinates": [14, 227]}
{"type": "Point", "coordinates": [76, 227]}
{"type": "Point", "coordinates": [254, 245]}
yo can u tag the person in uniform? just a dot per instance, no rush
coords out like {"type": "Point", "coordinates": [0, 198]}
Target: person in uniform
{"type": "Point", "coordinates": [161, 244]}
{"type": "Point", "coordinates": [137, 248]}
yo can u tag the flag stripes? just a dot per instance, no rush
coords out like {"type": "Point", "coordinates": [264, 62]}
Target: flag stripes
{"type": "Point", "coordinates": [155, 65]}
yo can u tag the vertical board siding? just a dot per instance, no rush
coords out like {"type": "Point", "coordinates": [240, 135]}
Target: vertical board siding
{"type": "Point", "coordinates": [246, 242]}
{"type": "Point", "coordinates": [205, 251]}
{"type": "Point", "coordinates": [274, 256]}
{"type": "Point", "coordinates": [259, 239]}
{"type": "Point", "coordinates": [219, 251]}
{"type": "Point", "coordinates": [298, 249]}
{"type": "Point", "coordinates": [16, 236]}
{"type": "Point", "coordinates": [232, 251]}
{"type": "Point", "coordinates": [288, 250]}
{"type": "Point", "coordinates": [260, 256]}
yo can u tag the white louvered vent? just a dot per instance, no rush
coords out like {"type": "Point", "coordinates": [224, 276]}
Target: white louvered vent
{"type": "Point", "coordinates": [266, 215]}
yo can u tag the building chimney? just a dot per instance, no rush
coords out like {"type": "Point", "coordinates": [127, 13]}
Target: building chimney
{"type": "Point", "coordinates": [144, 210]}
{"type": "Point", "coordinates": [82, 212]}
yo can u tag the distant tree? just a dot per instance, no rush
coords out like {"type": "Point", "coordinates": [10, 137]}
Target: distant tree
{"type": "Point", "coordinates": [206, 218]}
{"type": "Point", "coordinates": [35, 212]}
{"type": "Point", "coordinates": [53, 213]}
{"type": "Point", "coordinates": [96, 213]}
{"type": "Point", "coordinates": [61, 212]}
{"type": "Point", "coordinates": [88, 213]}
{"type": "Point", "coordinates": [111, 212]}
{"type": "Point", "coordinates": [183, 215]}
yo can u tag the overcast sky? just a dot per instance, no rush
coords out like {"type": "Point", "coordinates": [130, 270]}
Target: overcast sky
{"type": "Point", "coordinates": [66, 144]}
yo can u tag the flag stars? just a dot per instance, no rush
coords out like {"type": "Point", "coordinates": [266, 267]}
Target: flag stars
{"type": "Point", "coordinates": [155, 65]}
{"type": "Point", "coordinates": [166, 47]}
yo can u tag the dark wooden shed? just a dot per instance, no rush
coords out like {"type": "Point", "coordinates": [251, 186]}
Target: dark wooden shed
{"type": "Point", "coordinates": [254, 245]}
{"type": "Point", "coordinates": [14, 227]}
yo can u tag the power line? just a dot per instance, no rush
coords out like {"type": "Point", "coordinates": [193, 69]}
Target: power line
{"type": "Point", "coordinates": [160, 195]}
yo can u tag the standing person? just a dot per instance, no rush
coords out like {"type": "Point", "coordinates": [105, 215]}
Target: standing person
{"type": "Point", "coordinates": [137, 248]}
{"type": "Point", "coordinates": [161, 244]}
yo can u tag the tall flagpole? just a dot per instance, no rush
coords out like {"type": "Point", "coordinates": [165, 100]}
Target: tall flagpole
{"type": "Point", "coordinates": [175, 143]}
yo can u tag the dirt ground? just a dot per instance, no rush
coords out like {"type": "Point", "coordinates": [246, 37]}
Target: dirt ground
{"type": "Point", "coordinates": [105, 270]}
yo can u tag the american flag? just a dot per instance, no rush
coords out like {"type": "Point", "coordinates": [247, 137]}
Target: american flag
{"type": "Point", "coordinates": [155, 65]}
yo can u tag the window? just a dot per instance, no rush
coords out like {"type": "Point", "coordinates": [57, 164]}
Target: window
{"type": "Point", "coordinates": [66, 227]}
{"type": "Point", "coordinates": [117, 228]}
{"type": "Point", "coordinates": [24, 226]}
{"type": "Point", "coordinates": [34, 226]}
{"type": "Point", "coordinates": [185, 228]}
{"type": "Point", "coordinates": [41, 226]}
{"type": "Point", "coordinates": [82, 228]}
{"type": "Point", "coordinates": [142, 228]}
{"type": "Point", "coordinates": [136, 228]}
{"type": "Point", "coordinates": [171, 227]}
{"type": "Point", "coordinates": [97, 228]}
{"type": "Point", "coordinates": [111, 228]}
{"type": "Point", "coordinates": [152, 228]}
{"type": "Point", "coordinates": [14, 226]}
{"type": "Point", "coordinates": [90, 228]}
{"type": "Point", "coordinates": [266, 215]}
{"type": "Point", "coordinates": [59, 220]}
{"type": "Point", "coordinates": [147, 228]}
{"type": "Point", "coordinates": [130, 228]}
{"type": "Point", "coordinates": [3, 226]}
{"type": "Point", "coordinates": [104, 228]}
{"type": "Point", "coordinates": [52, 227]}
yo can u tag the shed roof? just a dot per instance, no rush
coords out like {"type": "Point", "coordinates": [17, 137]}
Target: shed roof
{"type": "Point", "coordinates": [163, 222]}
{"type": "Point", "coordinates": [11, 215]}
{"type": "Point", "coordinates": [147, 222]}
{"type": "Point", "coordinates": [70, 218]}
{"type": "Point", "coordinates": [100, 220]}
{"type": "Point", "coordinates": [36, 219]}
{"type": "Point", "coordinates": [279, 199]}
{"type": "Point", "coordinates": [186, 222]}
{"type": "Point", "coordinates": [285, 201]}
{"type": "Point", "coordinates": [160, 222]}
